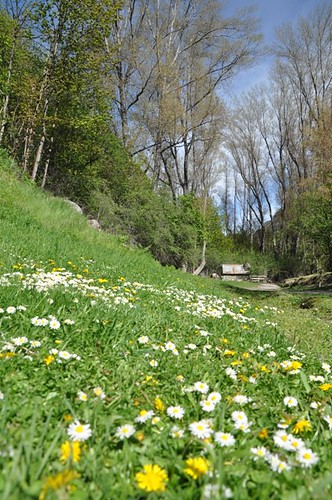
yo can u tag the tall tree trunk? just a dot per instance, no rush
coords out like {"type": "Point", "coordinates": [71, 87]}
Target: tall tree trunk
{"type": "Point", "coordinates": [6, 97]}
{"type": "Point", "coordinates": [41, 144]}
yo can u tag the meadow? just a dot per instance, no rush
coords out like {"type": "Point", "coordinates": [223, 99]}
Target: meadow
{"type": "Point", "coordinates": [121, 379]}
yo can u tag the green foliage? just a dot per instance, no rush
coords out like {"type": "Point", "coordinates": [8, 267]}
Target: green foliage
{"type": "Point", "coordinates": [39, 399]}
{"type": "Point", "coordinates": [315, 224]}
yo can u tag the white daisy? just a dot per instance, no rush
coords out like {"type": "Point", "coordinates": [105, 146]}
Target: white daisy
{"type": "Point", "coordinates": [54, 324]}
{"type": "Point", "coordinates": [144, 416]}
{"type": "Point", "coordinates": [99, 392]}
{"type": "Point", "coordinates": [64, 355]}
{"type": "Point", "coordinates": [278, 465]}
{"type": "Point", "coordinates": [326, 367]}
{"type": "Point", "coordinates": [82, 396]}
{"type": "Point", "coordinates": [144, 339]}
{"type": "Point", "coordinates": [11, 310]}
{"type": "Point", "coordinates": [290, 401]}
{"type": "Point", "coordinates": [200, 429]}
{"type": "Point", "coordinates": [207, 405]}
{"type": "Point", "coordinates": [231, 373]}
{"type": "Point", "coordinates": [239, 398]}
{"type": "Point", "coordinates": [307, 457]}
{"type": "Point", "coordinates": [283, 424]}
{"type": "Point", "coordinates": [78, 431]}
{"type": "Point", "coordinates": [239, 417]}
{"type": "Point", "coordinates": [1, 395]}
{"type": "Point", "coordinates": [259, 452]}
{"type": "Point", "coordinates": [19, 341]}
{"type": "Point", "coordinates": [125, 431]}
{"type": "Point", "coordinates": [176, 432]}
{"type": "Point", "coordinates": [282, 439]}
{"type": "Point", "coordinates": [35, 343]}
{"type": "Point", "coordinates": [69, 322]}
{"type": "Point", "coordinates": [169, 346]}
{"type": "Point", "coordinates": [224, 439]}
{"type": "Point", "coordinates": [214, 397]}
{"type": "Point", "coordinates": [175, 412]}
{"type": "Point", "coordinates": [328, 419]}
{"type": "Point", "coordinates": [153, 363]}
{"type": "Point", "coordinates": [295, 444]}
{"type": "Point", "coordinates": [201, 387]}
{"type": "Point", "coordinates": [243, 426]}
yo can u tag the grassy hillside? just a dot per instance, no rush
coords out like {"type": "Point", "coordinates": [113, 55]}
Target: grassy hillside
{"type": "Point", "coordinates": [124, 379]}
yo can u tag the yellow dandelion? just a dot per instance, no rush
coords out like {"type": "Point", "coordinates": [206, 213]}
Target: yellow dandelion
{"type": "Point", "coordinates": [159, 405]}
{"type": "Point", "coordinates": [49, 359]}
{"type": "Point", "coordinates": [236, 362]}
{"type": "Point", "coordinates": [68, 418]}
{"type": "Point", "coordinates": [294, 365]}
{"type": "Point", "coordinates": [196, 467]}
{"type": "Point", "coordinates": [325, 387]}
{"type": "Point", "coordinates": [152, 478]}
{"type": "Point", "coordinates": [301, 426]}
{"type": "Point", "coordinates": [139, 436]}
{"type": "Point", "coordinates": [58, 481]}
{"type": "Point", "coordinates": [102, 280]}
{"type": "Point", "coordinates": [263, 433]}
{"type": "Point", "coordinates": [228, 352]}
{"type": "Point", "coordinates": [70, 451]}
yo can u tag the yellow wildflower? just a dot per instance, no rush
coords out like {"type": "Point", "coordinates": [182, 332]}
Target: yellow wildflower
{"type": "Point", "coordinates": [196, 467]}
{"type": "Point", "coordinates": [301, 426]}
{"type": "Point", "coordinates": [294, 365]}
{"type": "Point", "coordinates": [325, 387]}
{"type": "Point", "coordinates": [70, 451]}
{"type": "Point", "coordinates": [139, 436]}
{"type": "Point", "coordinates": [49, 359]}
{"type": "Point", "coordinates": [263, 434]}
{"type": "Point", "coordinates": [159, 405]}
{"type": "Point", "coordinates": [58, 481]}
{"type": "Point", "coordinates": [152, 478]}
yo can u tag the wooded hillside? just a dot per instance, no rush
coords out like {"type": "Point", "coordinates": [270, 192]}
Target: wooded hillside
{"type": "Point", "coordinates": [121, 107]}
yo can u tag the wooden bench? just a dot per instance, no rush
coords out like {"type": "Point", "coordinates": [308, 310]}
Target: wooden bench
{"type": "Point", "coordinates": [235, 272]}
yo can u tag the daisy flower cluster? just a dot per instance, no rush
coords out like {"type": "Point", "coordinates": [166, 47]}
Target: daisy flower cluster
{"type": "Point", "coordinates": [226, 407]}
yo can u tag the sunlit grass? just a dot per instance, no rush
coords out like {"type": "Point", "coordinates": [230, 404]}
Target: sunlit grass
{"type": "Point", "coordinates": [123, 379]}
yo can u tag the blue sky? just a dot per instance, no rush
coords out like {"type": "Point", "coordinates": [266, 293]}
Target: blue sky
{"type": "Point", "coordinates": [272, 14]}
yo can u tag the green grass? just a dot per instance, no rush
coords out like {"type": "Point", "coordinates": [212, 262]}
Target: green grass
{"type": "Point", "coordinates": [59, 269]}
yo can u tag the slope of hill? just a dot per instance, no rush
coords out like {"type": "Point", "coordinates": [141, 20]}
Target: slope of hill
{"type": "Point", "coordinates": [121, 378]}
